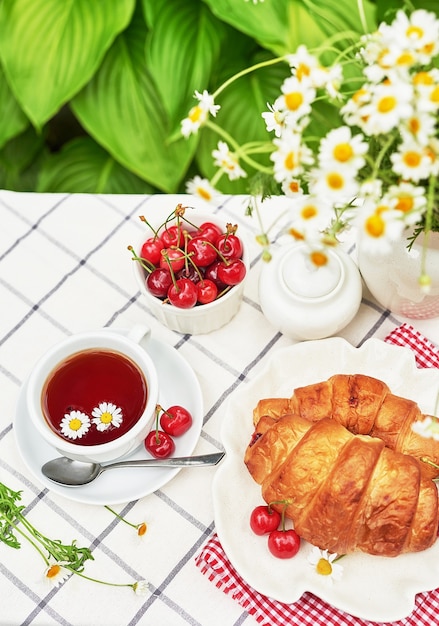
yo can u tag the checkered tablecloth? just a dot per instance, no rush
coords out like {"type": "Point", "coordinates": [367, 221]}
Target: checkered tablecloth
{"type": "Point", "coordinates": [64, 268]}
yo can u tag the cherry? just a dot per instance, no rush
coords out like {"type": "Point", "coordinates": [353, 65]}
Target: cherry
{"type": "Point", "coordinates": [172, 257]}
{"type": "Point", "coordinates": [159, 444]}
{"type": "Point", "coordinates": [176, 420]}
{"type": "Point", "coordinates": [207, 291]}
{"type": "Point", "coordinates": [210, 231]}
{"type": "Point", "coordinates": [172, 236]}
{"type": "Point", "coordinates": [264, 519]}
{"type": "Point", "coordinates": [189, 272]}
{"type": "Point", "coordinates": [183, 293]}
{"type": "Point", "coordinates": [151, 250]}
{"type": "Point", "coordinates": [211, 272]}
{"type": "Point", "coordinates": [159, 281]}
{"type": "Point", "coordinates": [230, 246]}
{"type": "Point", "coordinates": [231, 272]}
{"type": "Point", "coordinates": [283, 544]}
{"type": "Point", "coordinates": [202, 252]}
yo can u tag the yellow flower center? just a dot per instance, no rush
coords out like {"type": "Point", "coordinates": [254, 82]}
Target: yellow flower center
{"type": "Point", "coordinates": [141, 529]}
{"type": "Point", "coordinates": [75, 424]}
{"type": "Point", "coordinates": [195, 114]}
{"type": "Point", "coordinates": [324, 567]}
{"type": "Point", "coordinates": [296, 234]}
{"type": "Point", "coordinates": [290, 161]}
{"type": "Point", "coordinates": [358, 95]}
{"type": "Point", "coordinates": [404, 204]}
{"type": "Point", "coordinates": [343, 152]}
{"type": "Point", "coordinates": [423, 78]}
{"type": "Point", "coordinates": [414, 32]}
{"type": "Point", "coordinates": [203, 193]}
{"type": "Point", "coordinates": [106, 417]}
{"type": "Point", "coordinates": [412, 158]}
{"type": "Point", "coordinates": [414, 125]}
{"type": "Point", "coordinates": [406, 58]}
{"type": "Point", "coordinates": [308, 212]}
{"type": "Point", "coordinates": [434, 96]}
{"type": "Point", "coordinates": [302, 70]}
{"type": "Point", "coordinates": [53, 571]}
{"type": "Point", "coordinates": [375, 225]}
{"type": "Point", "coordinates": [335, 180]}
{"type": "Point", "coordinates": [294, 100]}
{"type": "Point", "coordinates": [294, 186]}
{"type": "Point", "coordinates": [386, 104]}
{"type": "Point", "coordinates": [319, 259]}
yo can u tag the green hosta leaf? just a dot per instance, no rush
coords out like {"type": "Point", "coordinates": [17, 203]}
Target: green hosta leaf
{"type": "Point", "coordinates": [281, 25]}
{"type": "Point", "coordinates": [51, 48]}
{"type": "Point", "coordinates": [20, 160]}
{"type": "Point", "coordinates": [82, 166]}
{"type": "Point", "coordinates": [12, 119]}
{"type": "Point", "coordinates": [122, 110]}
{"type": "Point", "coordinates": [181, 52]}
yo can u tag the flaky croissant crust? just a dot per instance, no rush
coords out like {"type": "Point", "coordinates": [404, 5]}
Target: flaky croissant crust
{"type": "Point", "coordinates": [345, 491]}
{"type": "Point", "coordinates": [364, 405]}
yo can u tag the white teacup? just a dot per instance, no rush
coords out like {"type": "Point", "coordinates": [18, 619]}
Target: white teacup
{"type": "Point", "coordinates": [93, 395]}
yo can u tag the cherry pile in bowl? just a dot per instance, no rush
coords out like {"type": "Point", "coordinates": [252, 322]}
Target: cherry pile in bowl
{"type": "Point", "coordinates": [187, 265]}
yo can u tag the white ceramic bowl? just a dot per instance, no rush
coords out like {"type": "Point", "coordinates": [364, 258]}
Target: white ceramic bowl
{"type": "Point", "coordinates": [104, 339]}
{"type": "Point", "coordinates": [202, 318]}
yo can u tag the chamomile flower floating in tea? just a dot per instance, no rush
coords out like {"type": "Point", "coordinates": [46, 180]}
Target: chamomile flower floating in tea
{"type": "Point", "coordinates": [75, 424]}
{"type": "Point", "coordinates": [105, 415]}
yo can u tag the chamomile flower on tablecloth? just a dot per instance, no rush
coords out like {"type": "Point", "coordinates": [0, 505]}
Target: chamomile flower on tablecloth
{"type": "Point", "coordinates": [201, 188]}
{"type": "Point", "coordinates": [56, 574]}
{"type": "Point", "coordinates": [107, 414]}
{"type": "Point", "coordinates": [75, 424]}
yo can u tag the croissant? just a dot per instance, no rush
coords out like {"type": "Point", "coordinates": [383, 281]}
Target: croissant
{"type": "Point", "coordinates": [345, 492]}
{"type": "Point", "coordinates": [364, 405]}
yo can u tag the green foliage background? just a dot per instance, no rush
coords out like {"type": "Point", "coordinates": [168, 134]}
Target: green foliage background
{"type": "Point", "coordinates": [92, 93]}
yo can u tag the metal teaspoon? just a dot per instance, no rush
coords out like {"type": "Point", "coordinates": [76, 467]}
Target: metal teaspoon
{"type": "Point", "coordinates": [73, 473]}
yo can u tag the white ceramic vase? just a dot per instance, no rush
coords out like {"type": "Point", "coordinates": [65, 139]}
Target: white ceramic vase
{"type": "Point", "coordinates": [393, 279]}
{"type": "Point", "coordinates": [304, 302]}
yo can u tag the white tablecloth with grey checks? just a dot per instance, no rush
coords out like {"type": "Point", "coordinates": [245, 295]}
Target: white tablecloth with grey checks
{"type": "Point", "coordinates": [65, 268]}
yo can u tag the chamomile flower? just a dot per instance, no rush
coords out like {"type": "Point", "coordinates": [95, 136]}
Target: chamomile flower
{"type": "Point", "coordinates": [379, 226]}
{"type": "Point", "coordinates": [56, 573]}
{"type": "Point", "coordinates": [390, 103]}
{"type": "Point", "coordinates": [412, 161]}
{"type": "Point", "coordinates": [227, 161]}
{"type": "Point", "coordinates": [310, 215]}
{"type": "Point", "coordinates": [292, 188]}
{"type": "Point", "coordinates": [335, 184]}
{"type": "Point", "coordinates": [140, 587]}
{"type": "Point", "coordinates": [340, 148]}
{"type": "Point", "coordinates": [75, 424]}
{"type": "Point", "coordinates": [324, 565]}
{"type": "Point", "coordinates": [296, 98]}
{"type": "Point", "coordinates": [201, 188]}
{"type": "Point", "coordinates": [274, 119]}
{"type": "Point", "coordinates": [199, 113]}
{"type": "Point", "coordinates": [107, 414]}
{"type": "Point", "coordinates": [419, 127]}
{"type": "Point", "coordinates": [408, 199]}
{"type": "Point", "coordinates": [290, 157]}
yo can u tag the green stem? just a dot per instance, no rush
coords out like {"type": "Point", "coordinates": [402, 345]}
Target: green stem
{"type": "Point", "coordinates": [245, 71]}
{"type": "Point", "coordinates": [24, 535]}
{"type": "Point", "coordinates": [122, 519]}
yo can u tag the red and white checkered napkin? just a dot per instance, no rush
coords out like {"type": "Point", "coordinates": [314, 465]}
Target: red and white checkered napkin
{"type": "Point", "coordinates": [310, 610]}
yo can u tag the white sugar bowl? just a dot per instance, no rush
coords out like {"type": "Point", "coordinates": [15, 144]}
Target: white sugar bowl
{"type": "Point", "coordinates": [306, 302]}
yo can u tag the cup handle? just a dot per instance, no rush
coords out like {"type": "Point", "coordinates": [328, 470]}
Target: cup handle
{"type": "Point", "coordinates": [139, 332]}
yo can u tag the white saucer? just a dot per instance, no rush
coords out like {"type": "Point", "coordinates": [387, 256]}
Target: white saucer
{"type": "Point", "coordinates": [178, 385]}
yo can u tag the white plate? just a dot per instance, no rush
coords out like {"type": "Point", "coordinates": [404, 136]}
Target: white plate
{"type": "Point", "coordinates": [178, 385]}
{"type": "Point", "coordinates": [372, 588]}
